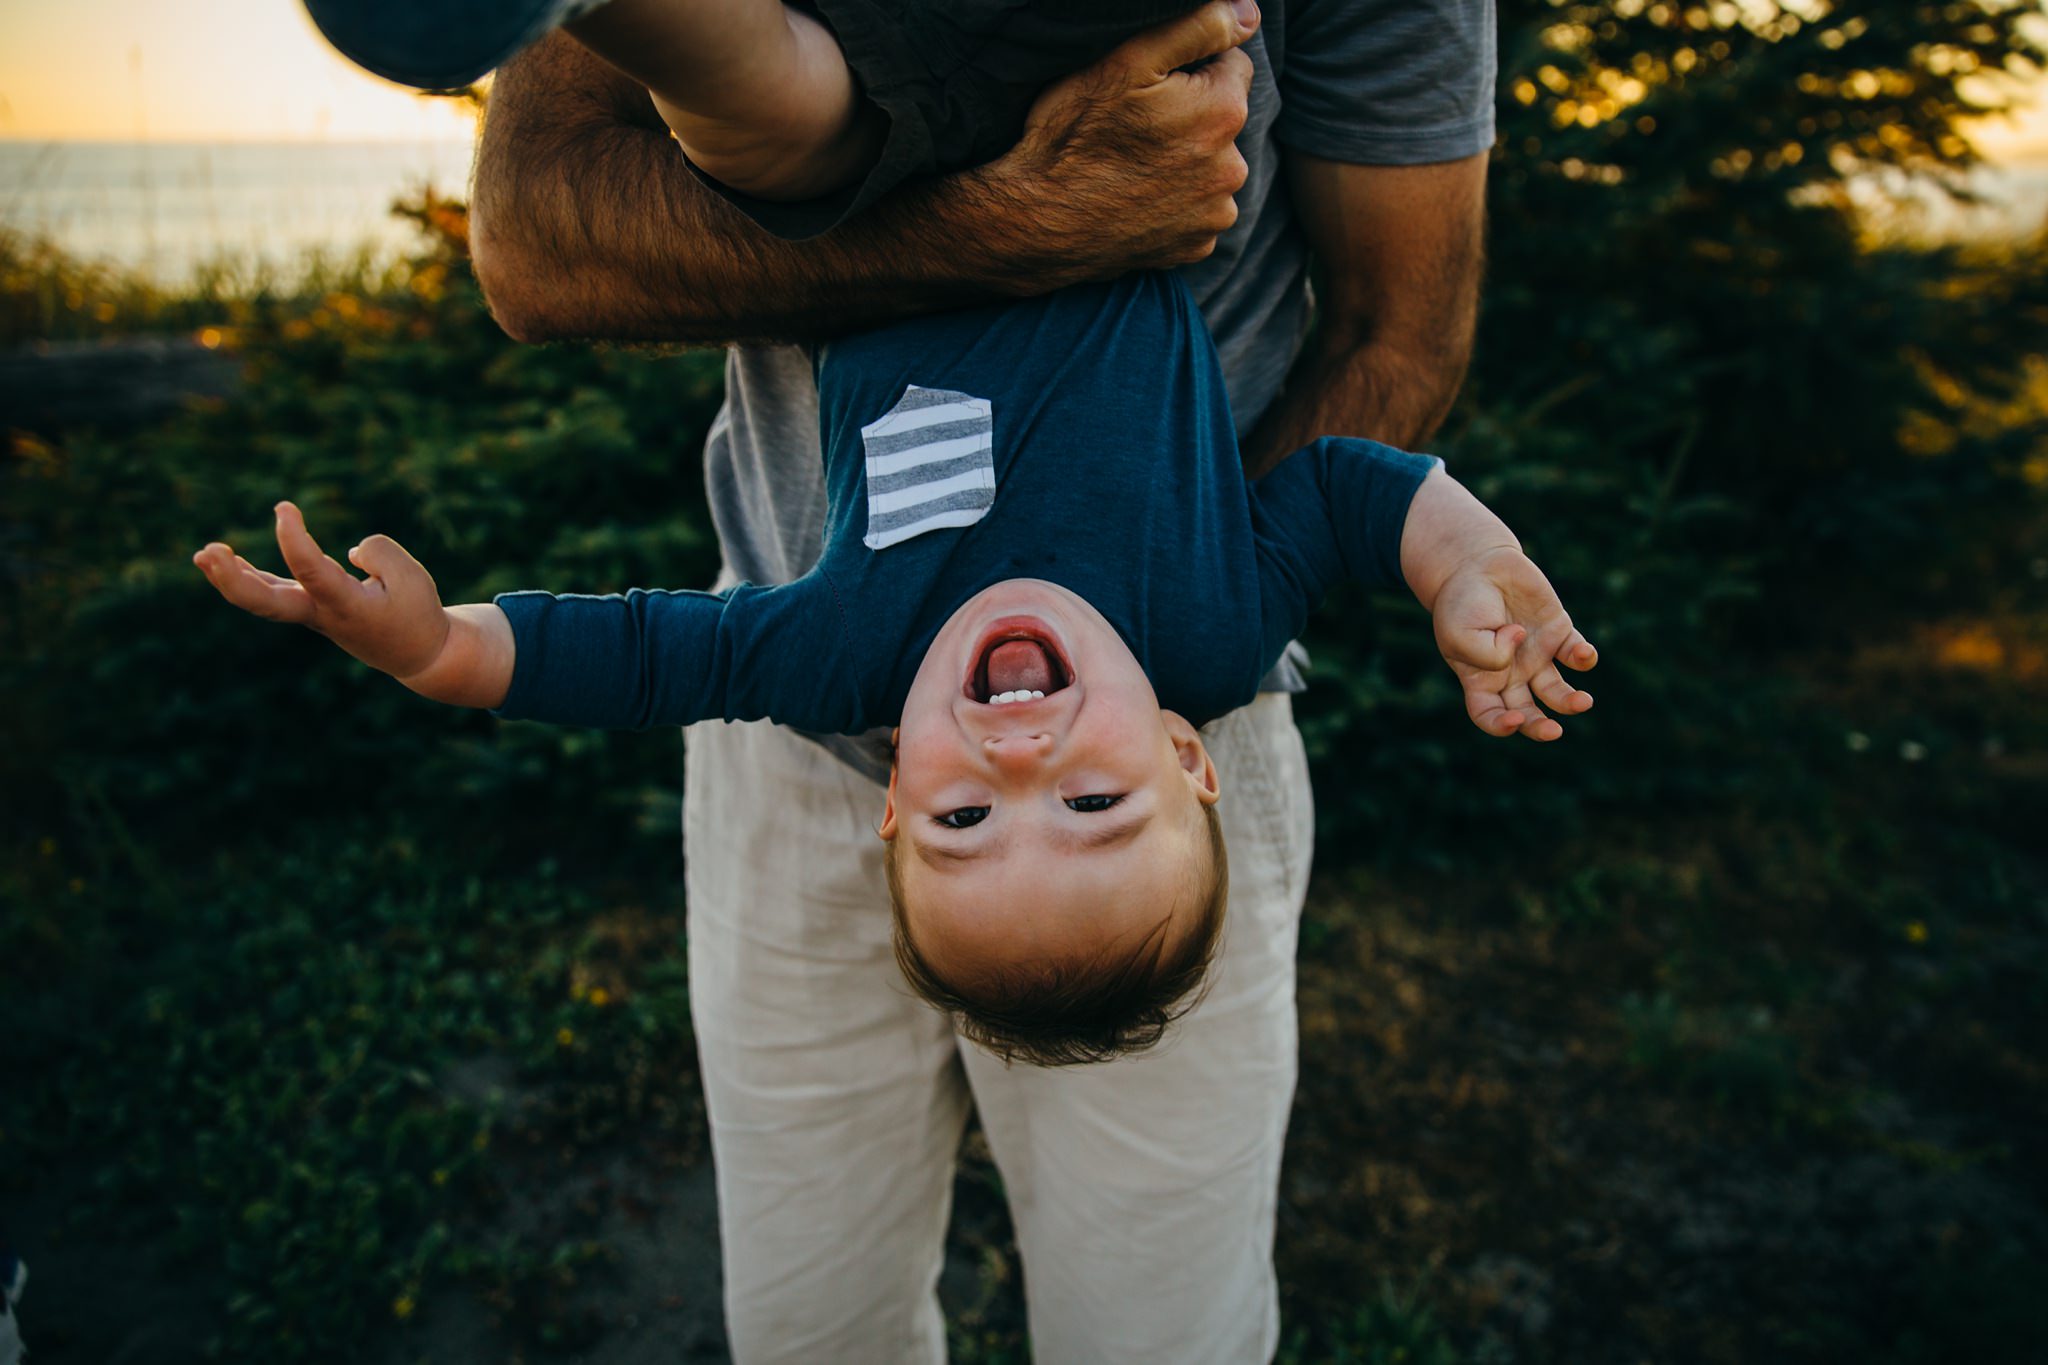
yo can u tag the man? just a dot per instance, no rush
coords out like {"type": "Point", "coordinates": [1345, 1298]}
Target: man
{"type": "Point", "coordinates": [1143, 1190]}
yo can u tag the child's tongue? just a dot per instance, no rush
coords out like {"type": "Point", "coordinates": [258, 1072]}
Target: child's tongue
{"type": "Point", "coordinates": [1019, 665]}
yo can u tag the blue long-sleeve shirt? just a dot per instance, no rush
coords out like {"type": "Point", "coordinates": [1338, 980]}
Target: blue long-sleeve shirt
{"type": "Point", "coordinates": [1083, 438]}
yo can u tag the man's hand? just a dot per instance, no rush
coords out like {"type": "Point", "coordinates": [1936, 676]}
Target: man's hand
{"type": "Point", "coordinates": [1502, 630]}
{"type": "Point", "coordinates": [1131, 163]}
{"type": "Point", "coordinates": [586, 223]}
{"type": "Point", "coordinates": [392, 620]}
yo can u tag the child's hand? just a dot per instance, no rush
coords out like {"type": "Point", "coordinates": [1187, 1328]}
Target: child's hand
{"type": "Point", "coordinates": [392, 620]}
{"type": "Point", "coordinates": [1503, 632]}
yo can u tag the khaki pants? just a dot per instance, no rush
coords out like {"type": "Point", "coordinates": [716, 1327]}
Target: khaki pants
{"type": "Point", "coordinates": [1143, 1190]}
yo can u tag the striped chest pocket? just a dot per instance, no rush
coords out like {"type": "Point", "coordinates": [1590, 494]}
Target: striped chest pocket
{"type": "Point", "coordinates": [930, 463]}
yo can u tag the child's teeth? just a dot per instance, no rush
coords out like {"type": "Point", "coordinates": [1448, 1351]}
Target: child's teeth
{"type": "Point", "coordinates": [1005, 698]}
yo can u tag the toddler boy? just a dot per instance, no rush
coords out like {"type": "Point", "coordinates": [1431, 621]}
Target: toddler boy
{"type": "Point", "coordinates": [1043, 562]}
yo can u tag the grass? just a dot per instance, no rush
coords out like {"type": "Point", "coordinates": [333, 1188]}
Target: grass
{"type": "Point", "coordinates": [288, 1034]}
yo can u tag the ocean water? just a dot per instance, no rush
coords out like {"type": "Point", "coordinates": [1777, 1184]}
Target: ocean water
{"type": "Point", "coordinates": [166, 207]}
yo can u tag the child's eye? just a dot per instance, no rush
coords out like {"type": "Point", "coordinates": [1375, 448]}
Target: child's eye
{"type": "Point", "coordinates": [963, 817]}
{"type": "Point", "coordinates": [1089, 805]}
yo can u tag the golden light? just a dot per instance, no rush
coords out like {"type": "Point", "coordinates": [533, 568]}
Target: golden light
{"type": "Point", "coordinates": [224, 71]}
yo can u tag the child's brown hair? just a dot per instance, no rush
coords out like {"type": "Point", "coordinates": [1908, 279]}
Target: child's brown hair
{"type": "Point", "coordinates": [1063, 1014]}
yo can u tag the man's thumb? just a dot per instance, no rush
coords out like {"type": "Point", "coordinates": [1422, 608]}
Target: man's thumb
{"type": "Point", "coordinates": [1208, 32]}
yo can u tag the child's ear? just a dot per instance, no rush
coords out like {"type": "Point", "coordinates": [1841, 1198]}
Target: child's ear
{"type": "Point", "coordinates": [887, 829]}
{"type": "Point", "coordinates": [1194, 757]}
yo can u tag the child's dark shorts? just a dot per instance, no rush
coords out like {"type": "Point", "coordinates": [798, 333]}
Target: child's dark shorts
{"type": "Point", "coordinates": [956, 78]}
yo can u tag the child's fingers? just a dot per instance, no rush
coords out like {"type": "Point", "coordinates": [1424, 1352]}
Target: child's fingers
{"type": "Point", "coordinates": [384, 558]}
{"type": "Point", "coordinates": [275, 580]}
{"type": "Point", "coordinates": [259, 594]}
{"type": "Point", "coordinates": [325, 581]}
{"type": "Point", "coordinates": [1535, 725]}
{"type": "Point", "coordinates": [1488, 651]}
{"type": "Point", "coordinates": [1554, 692]}
{"type": "Point", "coordinates": [1577, 653]}
{"type": "Point", "coordinates": [1492, 714]}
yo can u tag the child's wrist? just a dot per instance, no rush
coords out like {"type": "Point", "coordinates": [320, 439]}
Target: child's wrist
{"type": "Point", "coordinates": [473, 667]}
{"type": "Point", "coordinates": [1448, 532]}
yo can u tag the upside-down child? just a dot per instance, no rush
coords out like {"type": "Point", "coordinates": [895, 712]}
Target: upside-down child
{"type": "Point", "coordinates": [1044, 564]}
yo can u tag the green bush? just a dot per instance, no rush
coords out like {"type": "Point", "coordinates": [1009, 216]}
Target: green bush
{"type": "Point", "coordinates": [405, 412]}
{"type": "Point", "coordinates": [1726, 424]}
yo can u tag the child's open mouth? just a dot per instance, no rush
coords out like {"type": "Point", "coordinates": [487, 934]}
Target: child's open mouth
{"type": "Point", "coordinates": [1019, 660]}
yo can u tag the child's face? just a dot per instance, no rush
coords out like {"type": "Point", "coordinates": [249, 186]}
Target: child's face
{"type": "Point", "coordinates": [1048, 827]}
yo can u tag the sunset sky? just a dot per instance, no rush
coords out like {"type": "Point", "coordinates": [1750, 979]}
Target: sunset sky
{"type": "Point", "coordinates": [255, 70]}
{"type": "Point", "coordinates": [175, 70]}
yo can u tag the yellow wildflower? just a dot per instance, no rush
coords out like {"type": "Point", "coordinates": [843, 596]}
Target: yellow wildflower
{"type": "Point", "coordinates": [600, 997]}
{"type": "Point", "coordinates": [1916, 932]}
{"type": "Point", "coordinates": [565, 1036]}
{"type": "Point", "coordinates": [402, 1306]}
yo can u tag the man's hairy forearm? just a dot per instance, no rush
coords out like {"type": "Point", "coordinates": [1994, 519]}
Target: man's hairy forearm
{"type": "Point", "coordinates": [1385, 392]}
{"type": "Point", "coordinates": [1402, 250]}
{"type": "Point", "coordinates": [588, 224]}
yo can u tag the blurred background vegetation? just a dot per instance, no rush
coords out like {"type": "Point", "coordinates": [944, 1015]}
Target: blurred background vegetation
{"type": "Point", "coordinates": [339, 1023]}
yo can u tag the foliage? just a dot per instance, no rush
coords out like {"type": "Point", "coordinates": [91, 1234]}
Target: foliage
{"type": "Point", "coordinates": [49, 295]}
{"type": "Point", "coordinates": [1733, 1054]}
{"type": "Point", "coordinates": [405, 411]}
{"type": "Point", "coordinates": [1726, 425]}
{"type": "Point", "coordinates": [1392, 1327]}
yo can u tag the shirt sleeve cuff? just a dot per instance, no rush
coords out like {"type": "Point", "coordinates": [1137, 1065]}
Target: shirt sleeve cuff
{"type": "Point", "coordinates": [523, 610]}
{"type": "Point", "coordinates": [1406, 146]}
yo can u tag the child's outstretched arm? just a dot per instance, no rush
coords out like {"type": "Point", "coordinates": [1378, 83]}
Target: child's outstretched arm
{"type": "Point", "coordinates": [392, 620]}
{"type": "Point", "coordinates": [1499, 623]}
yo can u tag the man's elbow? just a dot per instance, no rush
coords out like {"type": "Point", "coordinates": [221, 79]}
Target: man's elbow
{"type": "Point", "coordinates": [522, 305]}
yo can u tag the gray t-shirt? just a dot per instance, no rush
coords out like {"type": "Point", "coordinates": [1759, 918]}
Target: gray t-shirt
{"type": "Point", "coordinates": [1370, 82]}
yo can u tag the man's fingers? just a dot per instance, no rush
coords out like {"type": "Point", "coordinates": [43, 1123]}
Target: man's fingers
{"type": "Point", "coordinates": [327, 582]}
{"type": "Point", "coordinates": [1210, 31]}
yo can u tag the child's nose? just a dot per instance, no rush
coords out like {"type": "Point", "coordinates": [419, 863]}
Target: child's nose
{"type": "Point", "coordinates": [1017, 753]}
